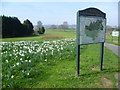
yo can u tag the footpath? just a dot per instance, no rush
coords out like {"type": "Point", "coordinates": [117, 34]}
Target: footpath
{"type": "Point", "coordinates": [114, 48]}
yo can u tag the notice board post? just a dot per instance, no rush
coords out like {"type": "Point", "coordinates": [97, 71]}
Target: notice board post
{"type": "Point", "coordinates": [91, 28]}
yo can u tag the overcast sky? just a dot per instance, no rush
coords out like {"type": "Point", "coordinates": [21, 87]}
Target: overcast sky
{"type": "Point", "coordinates": [56, 12]}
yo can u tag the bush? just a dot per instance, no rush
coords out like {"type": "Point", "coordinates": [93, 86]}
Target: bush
{"type": "Point", "coordinates": [41, 30]}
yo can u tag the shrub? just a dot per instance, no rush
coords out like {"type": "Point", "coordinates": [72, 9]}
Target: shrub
{"type": "Point", "coordinates": [41, 30]}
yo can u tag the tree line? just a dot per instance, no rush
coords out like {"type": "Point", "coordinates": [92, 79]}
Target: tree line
{"type": "Point", "coordinates": [62, 26]}
{"type": "Point", "coordinates": [12, 27]}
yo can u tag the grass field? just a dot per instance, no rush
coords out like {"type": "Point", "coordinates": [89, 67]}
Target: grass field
{"type": "Point", "coordinates": [49, 35]}
{"type": "Point", "coordinates": [112, 39]}
{"type": "Point", "coordinates": [49, 61]}
{"type": "Point", "coordinates": [57, 35]}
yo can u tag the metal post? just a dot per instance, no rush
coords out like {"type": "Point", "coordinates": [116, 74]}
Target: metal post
{"type": "Point", "coordinates": [78, 60]}
{"type": "Point", "coordinates": [101, 55]}
{"type": "Point", "coordinates": [78, 44]}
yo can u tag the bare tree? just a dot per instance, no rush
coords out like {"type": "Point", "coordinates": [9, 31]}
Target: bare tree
{"type": "Point", "coordinates": [64, 25]}
{"type": "Point", "coordinates": [53, 27]}
{"type": "Point", "coordinates": [39, 24]}
{"type": "Point", "coordinates": [60, 26]}
{"type": "Point", "coordinates": [40, 28]}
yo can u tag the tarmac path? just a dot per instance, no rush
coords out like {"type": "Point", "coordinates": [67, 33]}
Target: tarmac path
{"type": "Point", "coordinates": [115, 49]}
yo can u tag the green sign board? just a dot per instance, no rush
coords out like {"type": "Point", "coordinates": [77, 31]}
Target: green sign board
{"type": "Point", "coordinates": [91, 27]}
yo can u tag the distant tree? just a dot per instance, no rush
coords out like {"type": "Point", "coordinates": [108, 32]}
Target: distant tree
{"type": "Point", "coordinates": [28, 27]}
{"type": "Point", "coordinates": [17, 27]}
{"type": "Point", "coordinates": [0, 27]}
{"type": "Point", "coordinates": [111, 28]}
{"type": "Point", "coordinates": [41, 30]}
{"type": "Point", "coordinates": [61, 26]}
{"type": "Point", "coordinates": [11, 27]}
{"type": "Point", "coordinates": [53, 27]}
{"type": "Point", "coordinates": [64, 25]}
{"type": "Point", "coordinates": [39, 25]}
{"type": "Point", "coordinates": [108, 27]}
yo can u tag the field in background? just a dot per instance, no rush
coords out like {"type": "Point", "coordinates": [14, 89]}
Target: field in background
{"type": "Point", "coordinates": [48, 36]}
{"type": "Point", "coordinates": [57, 35]}
{"type": "Point", "coordinates": [42, 62]}
{"type": "Point", "coordinates": [112, 39]}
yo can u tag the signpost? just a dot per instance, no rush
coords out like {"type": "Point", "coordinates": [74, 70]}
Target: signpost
{"type": "Point", "coordinates": [91, 27]}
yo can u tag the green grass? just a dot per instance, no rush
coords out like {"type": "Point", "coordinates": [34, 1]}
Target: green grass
{"type": "Point", "coordinates": [112, 39]}
{"type": "Point", "coordinates": [60, 72]}
{"type": "Point", "coordinates": [60, 33]}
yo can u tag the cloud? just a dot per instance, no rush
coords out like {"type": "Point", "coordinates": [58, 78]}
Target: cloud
{"type": "Point", "coordinates": [60, 0]}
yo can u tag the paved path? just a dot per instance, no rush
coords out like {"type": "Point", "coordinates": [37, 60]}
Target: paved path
{"type": "Point", "coordinates": [114, 48]}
